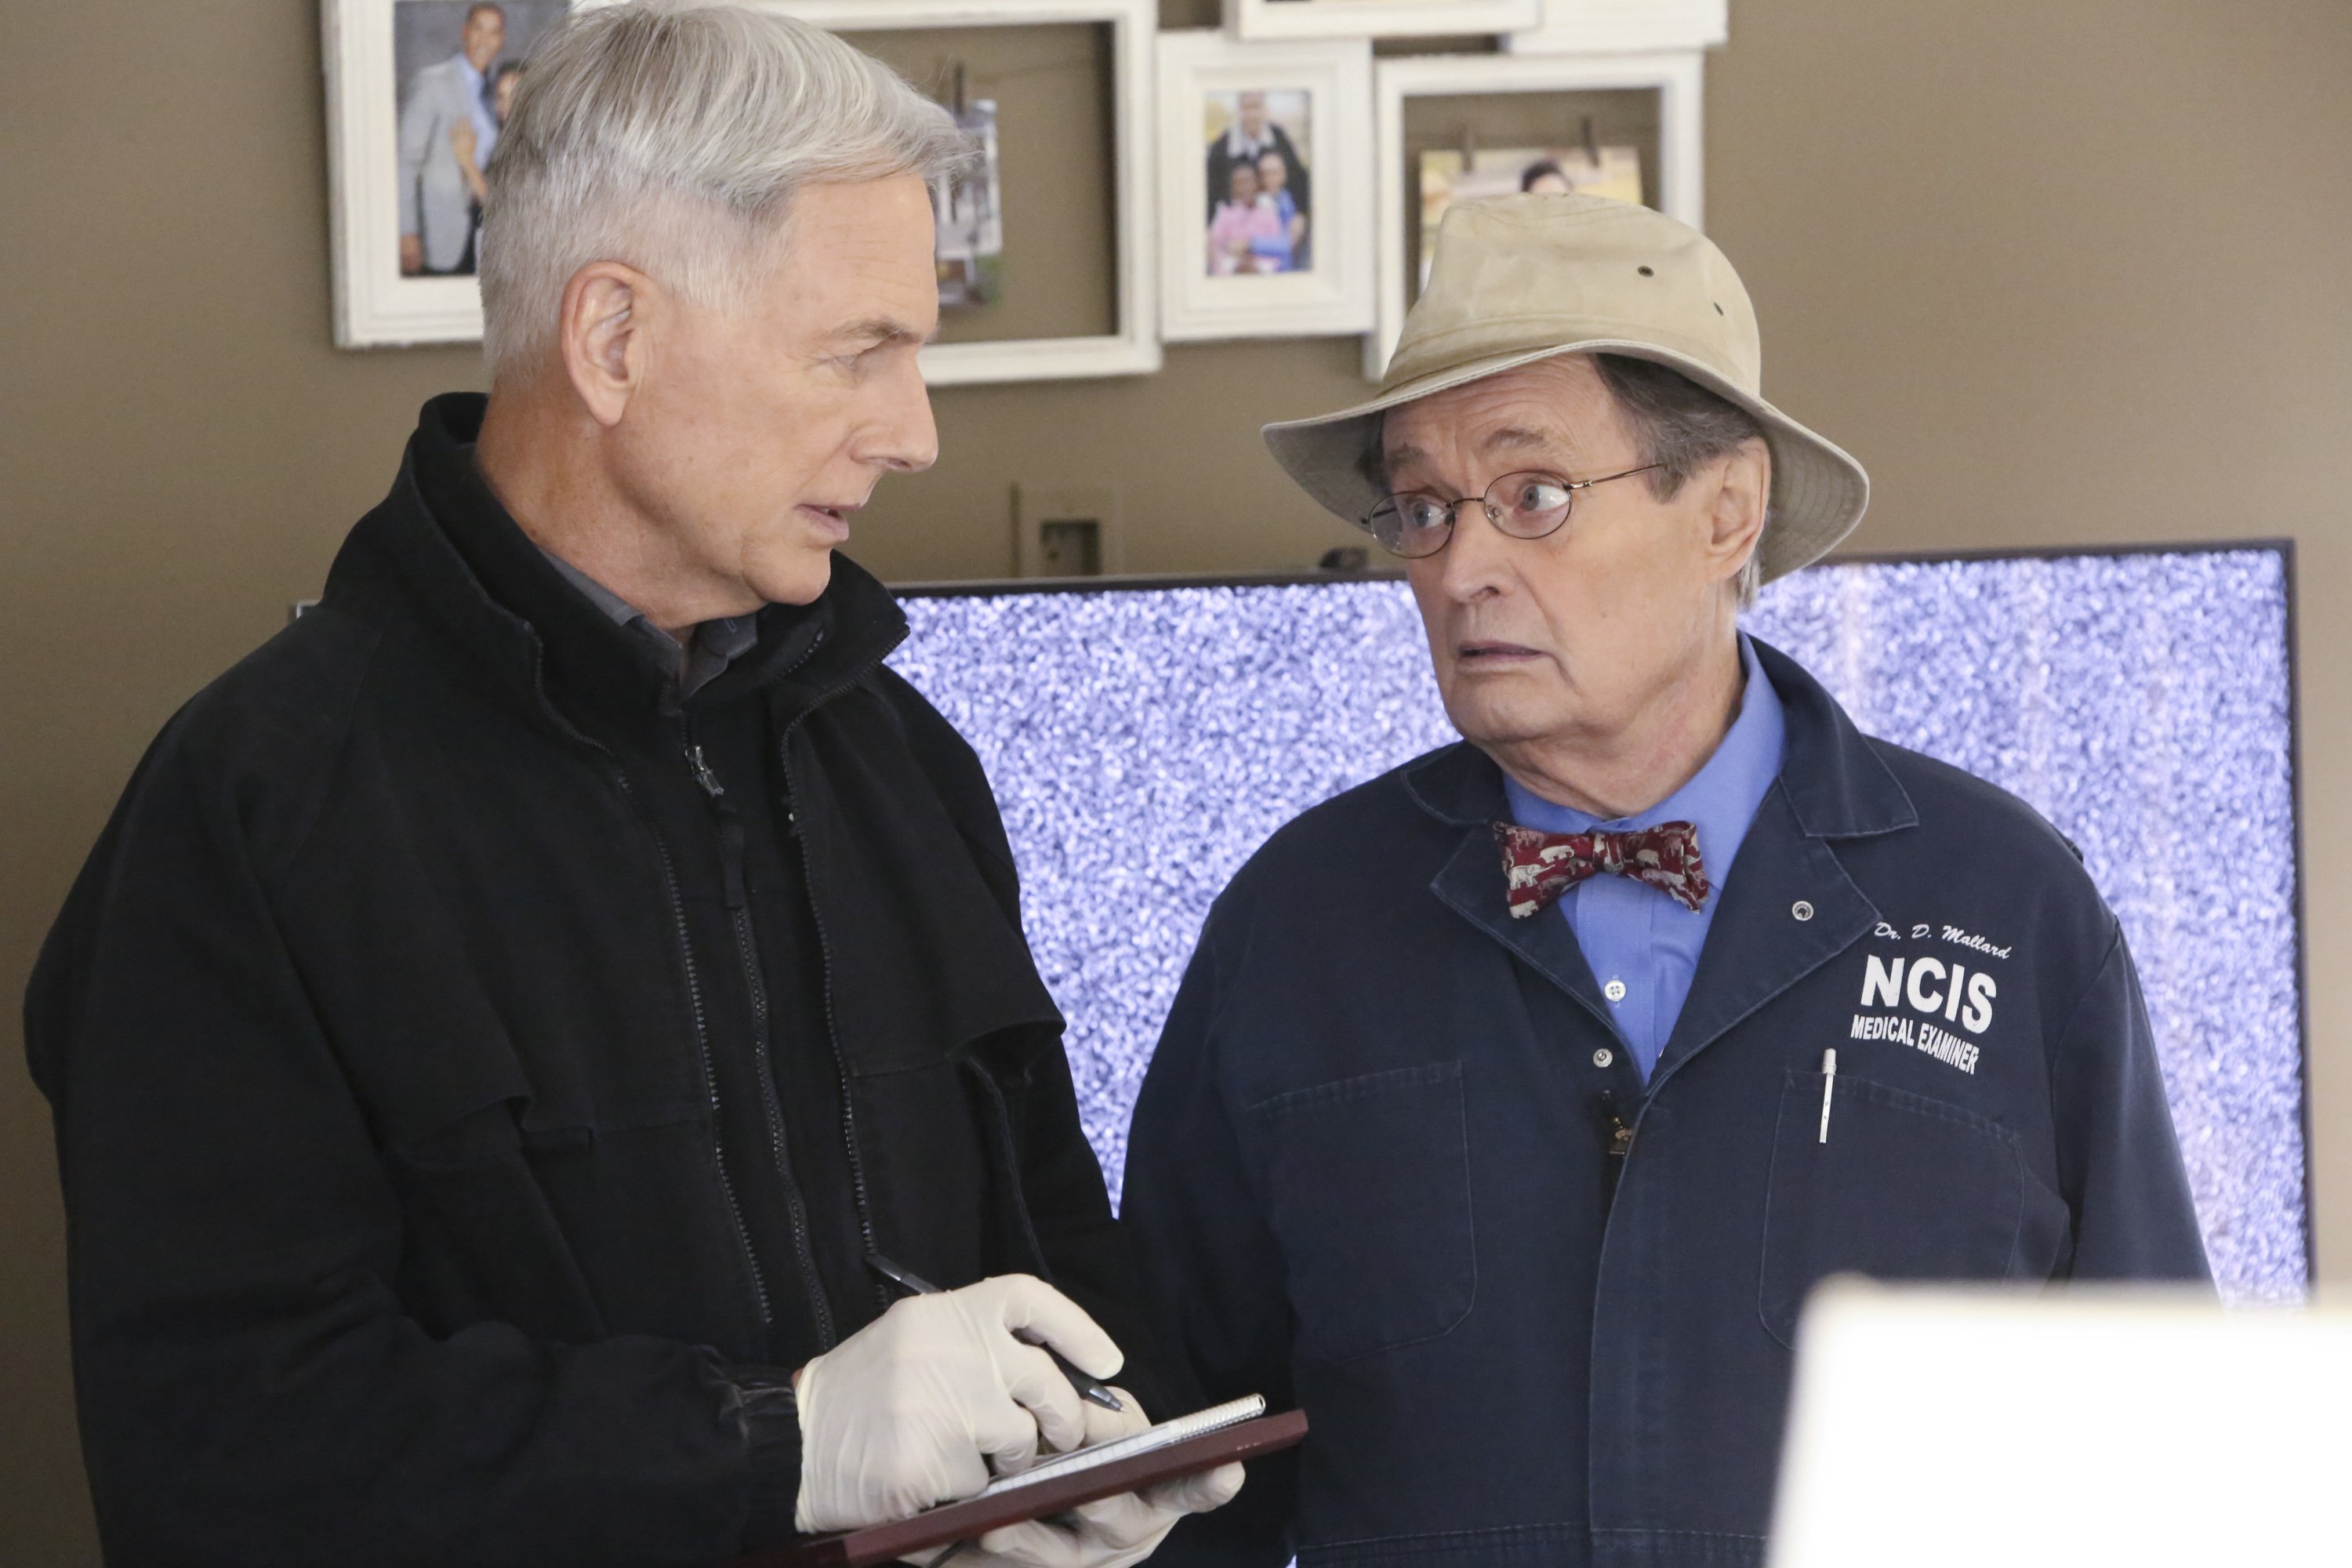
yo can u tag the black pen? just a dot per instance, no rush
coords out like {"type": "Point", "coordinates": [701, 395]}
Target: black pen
{"type": "Point", "coordinates": [1090, 1391]}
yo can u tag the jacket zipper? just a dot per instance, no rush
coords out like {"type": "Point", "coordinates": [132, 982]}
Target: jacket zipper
{"type": "Point", "coordinates": [702, 1045]}
{"type": "Point", "coordinates": [824, 954]}
{"type": "Point", "coordinates": [739, 911]}
{"type": "Point", "coordinates": [693, 985]}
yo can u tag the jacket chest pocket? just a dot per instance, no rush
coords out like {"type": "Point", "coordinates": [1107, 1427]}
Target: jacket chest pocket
{"type": "Point", "coordinates": [1906, 1187]}
{"type": "Point", "coordinates": [1368, 1190]}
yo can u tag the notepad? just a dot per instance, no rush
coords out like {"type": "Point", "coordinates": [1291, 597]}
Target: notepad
{"type": "Point", "coordinates": [1191, 1446]}
{"type": "Point", "coordinates": [1166, 1434]}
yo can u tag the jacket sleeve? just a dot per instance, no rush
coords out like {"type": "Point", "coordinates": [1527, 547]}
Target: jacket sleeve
{"type": "Point", "coordinates": [417, 119]}
{"type": "Point", "coordinates": [1089, 1253]}
{"type": "Point", "coordinates": [249, 1390]}
{"type": "Point", "coordinates": [2119, 1166]}
{"type": "Point", "coordinates": [1213, 1271]}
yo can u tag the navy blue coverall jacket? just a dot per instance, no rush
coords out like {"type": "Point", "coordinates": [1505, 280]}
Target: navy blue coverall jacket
{"type": "Point", "coordinates": [1372, 1166]}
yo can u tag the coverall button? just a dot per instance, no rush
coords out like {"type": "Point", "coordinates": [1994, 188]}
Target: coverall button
{"type": "Point", "coordinates": [1604, 1056]}
{"type": "Point", "coordinates": [1802, 909]}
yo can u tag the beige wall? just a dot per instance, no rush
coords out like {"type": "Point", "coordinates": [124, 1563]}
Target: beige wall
{"type": "Point", "coordinates": [2059, 270]}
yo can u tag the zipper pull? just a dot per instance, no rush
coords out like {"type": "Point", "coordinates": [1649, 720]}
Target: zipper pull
{"type": "Point", "coordinates": [702, 774]}
{"type": "Point", "coordinates": [730, 829]}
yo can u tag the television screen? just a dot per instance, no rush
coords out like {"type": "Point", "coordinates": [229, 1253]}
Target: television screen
{"type": "Point", "coordinates": [1144, 740]}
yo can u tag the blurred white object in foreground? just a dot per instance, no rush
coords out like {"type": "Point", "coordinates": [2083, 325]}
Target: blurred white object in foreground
{"type": "Point", "coordinates": [2104, 1425]}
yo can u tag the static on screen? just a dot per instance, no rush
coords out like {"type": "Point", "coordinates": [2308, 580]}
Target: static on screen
{"type": "Point", "coordinates": [1143, 741]}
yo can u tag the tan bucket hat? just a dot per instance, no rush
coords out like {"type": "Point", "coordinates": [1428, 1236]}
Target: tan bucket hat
{"type": "Point", "coordinates": [1525, 277]}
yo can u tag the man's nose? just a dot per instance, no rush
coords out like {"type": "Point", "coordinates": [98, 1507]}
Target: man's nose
{"type": "Point", "coordinates": [1477, 558]}
{"type": "Point", "coordinates": [906, 438]}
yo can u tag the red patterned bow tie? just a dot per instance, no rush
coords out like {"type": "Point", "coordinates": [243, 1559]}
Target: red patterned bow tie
{"type": "Point", "coordinates": [1542, 865]}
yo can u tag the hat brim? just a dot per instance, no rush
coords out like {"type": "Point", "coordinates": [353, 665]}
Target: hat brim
{"type": "Point", "coordinates": [1819, 492]}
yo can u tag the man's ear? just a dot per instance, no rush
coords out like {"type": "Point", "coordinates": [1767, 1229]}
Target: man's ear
{"type": "Point", "coordinates": [1736, 517]}
{"type": "Point", "coordinates": [606, 330]}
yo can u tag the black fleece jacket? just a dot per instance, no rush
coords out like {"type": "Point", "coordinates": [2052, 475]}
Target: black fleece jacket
{"type": "Point", "coordinates": [467, 1107]}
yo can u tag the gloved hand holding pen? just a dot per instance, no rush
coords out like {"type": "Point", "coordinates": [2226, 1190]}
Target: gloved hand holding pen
{"type": "Point", "coordinates": [912, 1410]}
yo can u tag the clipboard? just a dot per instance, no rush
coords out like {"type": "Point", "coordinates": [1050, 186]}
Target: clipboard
{"type": "Point", "coordinates": [977, 1516]}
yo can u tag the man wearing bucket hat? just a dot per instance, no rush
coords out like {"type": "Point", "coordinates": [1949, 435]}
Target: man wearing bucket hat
{"type": "Point", "coordinates": [1514, 1100]}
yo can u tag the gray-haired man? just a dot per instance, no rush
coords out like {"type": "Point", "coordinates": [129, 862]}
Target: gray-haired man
{"type": "Point", "coordinates": [509, 1016]}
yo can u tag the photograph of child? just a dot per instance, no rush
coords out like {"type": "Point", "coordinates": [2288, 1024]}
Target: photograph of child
{"type": "Point", "coordinates": [1260, 216]}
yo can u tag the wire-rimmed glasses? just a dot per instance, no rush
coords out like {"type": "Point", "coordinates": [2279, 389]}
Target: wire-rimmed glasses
{"type": "Point", "coordinates": [1529, 505]}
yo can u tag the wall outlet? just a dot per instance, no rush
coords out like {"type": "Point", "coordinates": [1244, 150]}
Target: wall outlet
{"type": "Point", "coordinates": [1067, 531]}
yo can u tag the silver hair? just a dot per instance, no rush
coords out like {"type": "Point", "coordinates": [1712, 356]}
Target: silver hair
{"type": "Point", "coordinates": [672, 138]}
{"type": "Point", "coordinates": [1681, 427]}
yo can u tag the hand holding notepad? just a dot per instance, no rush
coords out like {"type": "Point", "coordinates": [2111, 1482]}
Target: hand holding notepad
{"type": "Point", "coordinates": [1105, 1443]}
{"type": "Point", "coordinates": [939, 1392]}
{"type": "Point", "coordinates": [951, 1394]}
{"type": "Point", "coordinates": [1112, 1532]}
{"type": "Point", "coordinates": [1185, 1463]}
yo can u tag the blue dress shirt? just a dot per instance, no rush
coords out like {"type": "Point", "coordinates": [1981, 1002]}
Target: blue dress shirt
{"type": "Point", "coordinates": [1643, 947]}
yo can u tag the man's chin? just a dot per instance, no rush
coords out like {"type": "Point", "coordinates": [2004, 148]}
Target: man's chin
{"type": "Point", "coordinates": [1486, 717]}
{"type": "Point", "coordinates": [800, 580]}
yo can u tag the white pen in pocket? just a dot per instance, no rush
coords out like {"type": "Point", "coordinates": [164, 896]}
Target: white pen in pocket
{"type": "Point", "coordinates": [1828, 1083]}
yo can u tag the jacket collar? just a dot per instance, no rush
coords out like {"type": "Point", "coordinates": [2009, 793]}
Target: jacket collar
{"type": "Point", "coordinates": [440, 556]}
{"type": "Point", "coordinates": [1836, 783]}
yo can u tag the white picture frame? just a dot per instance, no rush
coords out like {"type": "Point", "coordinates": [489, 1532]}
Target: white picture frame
{"type": "Point", "coordinates": [1277, 19]}
{"type": "Point", "coordinates": [1133, 349]}
{"type": "Point", "coordinates": [1618, 26]}
{"type": "Point", "coordinates": [1334, 295]}
{"type": "Point", "coordinates": [374, 306]}
{"type": "Point", "coordinates": [1677, 75]}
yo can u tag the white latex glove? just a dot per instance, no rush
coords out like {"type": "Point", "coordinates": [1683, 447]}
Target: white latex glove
{"type": "Point", "coordinates": [1112, 1533]}
{"type": "Point", "coordinates": [907, 1412]}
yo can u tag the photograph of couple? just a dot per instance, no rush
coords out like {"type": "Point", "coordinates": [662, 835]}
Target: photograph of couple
{"type": "Point", "coordinates": [458, 64]}
{"type": "Point", "coordinates": [1449, 177]}
{"type": "Point", "coordinates": [1260, 206]}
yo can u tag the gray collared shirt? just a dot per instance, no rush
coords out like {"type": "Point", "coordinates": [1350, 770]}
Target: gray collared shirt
{"type": "Point", "coordinates": [703, 659]}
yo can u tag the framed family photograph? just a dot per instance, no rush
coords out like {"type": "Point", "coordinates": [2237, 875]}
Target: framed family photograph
{"type": "Point", "coordinates": [1586, 27]}
{"type": "Point", "coordinates": [968, 214]}
{"type": "Point", "coordinates": [1048, 252]}
{"type": "Point", "coordinates": [1450, 129]}
{"type": "Point", "coordinates": [1266, 187]}
{"type": "Point", "coordinates": [1377, 18]}
{"type": "Point", "coordinates": [417, 93]}
{"type": "Point", "coordinates": [1452, 174]}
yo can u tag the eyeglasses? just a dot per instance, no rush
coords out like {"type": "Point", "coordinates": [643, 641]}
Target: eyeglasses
{"type": "Point", "coordinates": [1522, 506]}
